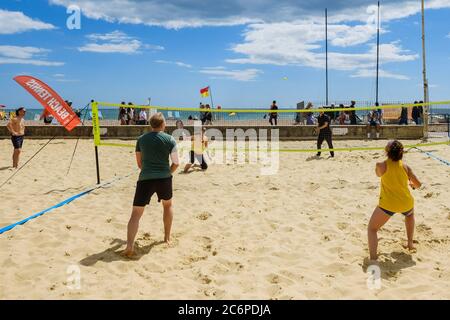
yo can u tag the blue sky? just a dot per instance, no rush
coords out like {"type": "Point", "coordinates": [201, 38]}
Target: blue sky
{"type": "Point", "coordinates": [169, 50]}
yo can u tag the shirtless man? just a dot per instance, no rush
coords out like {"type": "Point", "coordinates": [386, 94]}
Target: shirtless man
{"type": "Point", "coordinates": [16, 127]}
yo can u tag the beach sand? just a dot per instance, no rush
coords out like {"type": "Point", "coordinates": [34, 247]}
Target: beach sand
{"type": "Point", "coordinates": [299, 234]}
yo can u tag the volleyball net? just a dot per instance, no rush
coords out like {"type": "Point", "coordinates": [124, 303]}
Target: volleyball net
{"type": "Point", "coordinates": [179, 118]}
{"type": "Point", "coordinates": [109, 114]}
{"type": "Point", "coordinates": [241, 142]}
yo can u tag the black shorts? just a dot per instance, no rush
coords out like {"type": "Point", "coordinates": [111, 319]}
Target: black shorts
{"type": "Point", "coordinates": [145, 190]}
{"type": "Point", "coordinates": [390, 213]}
{"type": "Point", "coordinates": [200, 158]}
{"type": "Point", "coordinates": [17, 142]}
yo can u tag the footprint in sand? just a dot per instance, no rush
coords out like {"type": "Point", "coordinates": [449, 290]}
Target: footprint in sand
{"type": "Point", "coordinates": [342, 226]}
{"type": "Point", "coordinates": [274, 279]}
{"type": "Point", "coordinates": [204, 216]}
{"type": "Point", "coordinates": [280, 279]}
{"type": "Point", "coordinates": [424, 229]}
{"type": "Point", "coordinates": [430, 195]}
{"type": "Point", "coordinates": [314, 186]}
{"type": "Point", "coordinates": [339, 184]}
{"type": "Point", "coordinates": [204, 279]}
{"type": "Point", "coordinates": [147, 237]}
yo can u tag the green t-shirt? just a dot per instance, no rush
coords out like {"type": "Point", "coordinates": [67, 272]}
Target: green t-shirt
{"type": "Point", "coordinates": [155, 148]}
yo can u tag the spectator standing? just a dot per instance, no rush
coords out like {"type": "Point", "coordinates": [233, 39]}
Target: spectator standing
{"type": "Point", "coordinates": [142, 120]}
{"type": "Point", "coordinates": [208, 115]}
{"type": "Point", "coordinates": [416, 113]}
{"type": "Point", "coordinates": [273, 119]}
{"type": "Point", "coordinates": [353, 117]}
{"type": "Point", "coordinates": [130, 114]}
{"type": "Point", "coordinates": [309, 115]}
{"type": "Point", "coordinates": [421, 111]}
{"type": "Point", "coordinates": [404, 116]}
{"type": "Point", "coordinates": [202, 113]}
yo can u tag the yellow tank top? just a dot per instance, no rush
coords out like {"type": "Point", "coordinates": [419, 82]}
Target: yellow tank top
{"type": "Point", "coordinates": [198, 144]}
{"type": "Point", "coordinates": [395, 194]}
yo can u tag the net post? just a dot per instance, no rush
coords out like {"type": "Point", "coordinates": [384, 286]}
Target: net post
{"type": "Point", "coordinates": [96, 132]}
{"type": "Point", "coordinates": [448, 125]}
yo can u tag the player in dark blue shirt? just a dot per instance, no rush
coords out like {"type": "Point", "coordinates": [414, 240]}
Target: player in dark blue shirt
{"type": "Point", "coordinates": [325, 133]}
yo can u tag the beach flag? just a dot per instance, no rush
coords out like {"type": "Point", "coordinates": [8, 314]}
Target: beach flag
{"type": "Point", "coordinates": [50, 100]}
{"type": "Point", "coordinates": [205, 92]}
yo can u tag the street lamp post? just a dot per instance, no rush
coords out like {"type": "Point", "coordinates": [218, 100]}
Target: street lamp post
{"type": "Point", "coordinates": [425, 80]}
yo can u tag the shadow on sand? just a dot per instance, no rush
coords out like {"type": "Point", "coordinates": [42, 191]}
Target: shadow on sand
{"type": "Point", "coordinates": [393, 263]}
{"type": "Point", "coordinates": [115, 253]}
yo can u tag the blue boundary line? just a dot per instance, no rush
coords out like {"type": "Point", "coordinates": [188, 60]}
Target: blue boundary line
{"type": "Point", "coordinates": [59, 205]}
{"type": "Point", "coordinates": [429, 154]}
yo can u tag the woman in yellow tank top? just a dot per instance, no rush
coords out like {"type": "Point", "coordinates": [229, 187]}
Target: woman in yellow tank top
{"type": "Point", "coordinates": [395, 196]}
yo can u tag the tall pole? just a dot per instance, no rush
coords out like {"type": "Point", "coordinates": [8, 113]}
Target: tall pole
{"type": "Point", "coordinates": [97, 165]}
{"type": "Point", "coordinates": [378, 55]}
{"type": "Point", "coordinates": [211, 96]}
{"type": "Point", "coordinates": [425, 80]}
{"type": "Point", "coordinates": [326, 54]}
{"type": "Point", "coordinates": [96, 132]}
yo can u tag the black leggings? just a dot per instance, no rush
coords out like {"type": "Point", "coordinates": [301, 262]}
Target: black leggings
{"type": "Point", "coordinates": [200, 158]}
{"type": "Point", "coordinates": [322, 137]}
{"type": "Point", "coordinates": [273, 118]}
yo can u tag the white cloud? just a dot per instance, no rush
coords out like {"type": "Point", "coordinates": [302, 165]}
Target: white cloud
{"type": "Point", "coordinates": [60, 77]}
{"type": "Point", "coordinates": [26, 55]}
{"type": "Point", "coordinates": [301, 44]}
{"type": "Point", "coordinates": [295, 39]}
{"type": "Point", "coordinates": [365, 73]}
{"type": "Point", "coordinates": [115, 42]}
{"type": "Point", "coordinates": [238, 75]}
{"type": "Point", "coordinates": [177, 63]}
{"type": "Point", "coordinates": [182, 13]}
{"type": "Point", "coordinates": [12, 22]}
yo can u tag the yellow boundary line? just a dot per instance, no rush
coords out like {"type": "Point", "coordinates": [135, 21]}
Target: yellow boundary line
{"type": "Point", "coordinates": [422, 145]}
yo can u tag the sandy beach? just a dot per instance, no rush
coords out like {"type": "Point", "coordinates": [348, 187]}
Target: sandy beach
{"type": "Point", "coordinates": [299, 234]}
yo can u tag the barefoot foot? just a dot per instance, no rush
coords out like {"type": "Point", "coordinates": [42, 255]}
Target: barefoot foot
{"type": "Point", "coordinates": [128, 253]}
{"type": "Point", "coordinates": [410, 247]}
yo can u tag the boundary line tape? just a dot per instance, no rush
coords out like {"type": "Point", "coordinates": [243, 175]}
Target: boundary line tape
{"type": "Point", "coordinates": [59, 205]}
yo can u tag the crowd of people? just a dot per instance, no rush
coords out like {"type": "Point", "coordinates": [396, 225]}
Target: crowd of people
{"type": "Point", "coordinates": [48, 118]}
{"type": "Point", "coordinates": [374, 117]}
{"type": "Point", "coordinates": [129, 115]}
{"type": "Point", "coordinates": [206, 116]}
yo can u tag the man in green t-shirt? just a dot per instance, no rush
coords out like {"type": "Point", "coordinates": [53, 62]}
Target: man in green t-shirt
{"type": "Point", "coordinates": [153, 150]}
